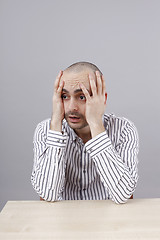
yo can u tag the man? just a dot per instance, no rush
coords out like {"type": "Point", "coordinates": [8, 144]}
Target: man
{"type": "Point", "coordinates": [82, 153]}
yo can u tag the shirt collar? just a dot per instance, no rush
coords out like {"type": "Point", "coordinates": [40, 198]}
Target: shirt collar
{"type": "Point", "coordinates": [71, 133]}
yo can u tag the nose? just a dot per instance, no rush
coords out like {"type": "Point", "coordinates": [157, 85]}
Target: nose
{"type": "Point", "coordinates": [73, 106]}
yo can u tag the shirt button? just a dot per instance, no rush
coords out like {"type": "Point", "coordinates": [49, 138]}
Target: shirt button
{"type": "Point", "coordinates": [84, 189]}
{"type": "Point", "coordinates": [84, 171]}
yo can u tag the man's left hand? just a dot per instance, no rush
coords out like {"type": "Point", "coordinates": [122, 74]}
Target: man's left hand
{"type": "Point", "coordinates": [95, 103]}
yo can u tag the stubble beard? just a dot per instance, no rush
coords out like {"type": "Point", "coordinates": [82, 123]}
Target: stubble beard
{"type": "Point", "coordinates": [81, 125]}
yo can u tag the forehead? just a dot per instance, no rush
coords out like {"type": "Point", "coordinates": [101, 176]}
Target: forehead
{"type": "Point", "coordinates": [72, 79]}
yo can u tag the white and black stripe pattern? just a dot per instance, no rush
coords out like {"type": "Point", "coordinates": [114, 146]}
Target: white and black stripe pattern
{"type": "Point", "coordinates": [103, 168]}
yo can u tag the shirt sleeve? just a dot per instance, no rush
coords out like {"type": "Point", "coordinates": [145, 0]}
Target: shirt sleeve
{"type": "Point", "coordinates": [117, 165]}
{"type": "Point", "coordinates": [48, 174]}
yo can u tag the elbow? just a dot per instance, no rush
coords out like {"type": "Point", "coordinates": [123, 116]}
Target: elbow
{"type": "Point", "coordinates": [46, 194]}
{"type": "Point", "coordinates": [47, 199]}
{"type": "Point", "coordinates": [121, 197]}
{"type": "Point", "coordinates": [123, 192]}
{"type": "Point", "coordinates": [119, 200]}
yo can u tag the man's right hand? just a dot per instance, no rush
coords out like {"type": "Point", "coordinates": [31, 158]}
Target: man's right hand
{"type": "Point", "coordinates": [57, 105]}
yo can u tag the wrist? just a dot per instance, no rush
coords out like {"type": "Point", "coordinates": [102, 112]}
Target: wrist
{"type": "Point", "coordinates": [97, 131]}
{"type": "Point", "coordinates": [95, 123]}
{"type": "Point", "coordinates": [96, 128]}
{"type": "Point", "coordinates": [56, 124]}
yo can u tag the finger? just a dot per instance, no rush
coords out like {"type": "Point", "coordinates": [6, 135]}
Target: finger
{"type": "Point", "coordinates": [59, 90]}
{"type": "Point", "coordinates": [104, 88]}
{"type": "Point", "coordinates": [56, 85]}
{"type": "Point", "coordinates": [99, 82]}
{"type": "Point", "coordinates": [92, 81]}
{"type": "Point", "coordinates": [86, 93]}
{"type": "Point", "coordinates": [103, 85]}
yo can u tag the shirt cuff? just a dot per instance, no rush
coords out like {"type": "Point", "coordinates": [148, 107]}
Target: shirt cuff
{"type": "Point", "coordinates": [98, 144]}
{"type": "Point", "coordinates": [56, 139]}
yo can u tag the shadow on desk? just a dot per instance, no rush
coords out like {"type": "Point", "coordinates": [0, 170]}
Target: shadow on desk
{"type": "Point", "coordinates": [41, 199]}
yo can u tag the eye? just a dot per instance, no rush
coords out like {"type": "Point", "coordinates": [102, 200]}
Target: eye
{"type": "Point", "coordinates": [82, 97]}
{"type": "Point", "coordinates": [64, 96]}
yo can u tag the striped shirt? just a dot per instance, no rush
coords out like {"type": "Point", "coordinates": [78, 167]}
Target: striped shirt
{"type": "Point", "coordinates": [105, 167]}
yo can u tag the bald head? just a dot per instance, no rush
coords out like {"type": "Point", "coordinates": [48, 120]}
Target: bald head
{"type": "Point", "coordinates": [81, 67]}
{"type": "Point", "coordinates": [78, 73]}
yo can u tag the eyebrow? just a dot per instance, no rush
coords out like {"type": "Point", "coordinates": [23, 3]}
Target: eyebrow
{"type": "Point", "coordinates": [75, 91]}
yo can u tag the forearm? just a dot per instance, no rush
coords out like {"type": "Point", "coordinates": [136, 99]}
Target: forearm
{"type": "Point", "coordinates": [49, 167]}
{"type": "Point", "coordinates": [48, 175]}
{"type": "Point", "coordinates": [119, 180]}
{"type": "Point", "coordinates": [114, 172]}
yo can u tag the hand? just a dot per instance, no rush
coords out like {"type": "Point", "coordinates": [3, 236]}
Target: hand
{"type": "Point", "coordinates": [57, 105]}
{"type": "Point", "coordinates": [96, 103]}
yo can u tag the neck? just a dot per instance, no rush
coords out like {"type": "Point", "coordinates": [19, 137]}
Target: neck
{"type": "Point", "coordinates": [84, 134]}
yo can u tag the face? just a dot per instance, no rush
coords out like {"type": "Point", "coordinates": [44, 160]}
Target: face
{"type": "Point", "coordinates": [74, 99]}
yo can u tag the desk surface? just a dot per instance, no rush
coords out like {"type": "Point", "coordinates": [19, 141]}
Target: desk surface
{"type": "Point", "coordinates": [136, 219]}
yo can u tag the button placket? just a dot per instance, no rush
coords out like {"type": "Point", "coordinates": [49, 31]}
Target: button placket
{"type": "Point", "coordinates": [83, 160]}
{"type": "Point", "coordinates": [84, 167]}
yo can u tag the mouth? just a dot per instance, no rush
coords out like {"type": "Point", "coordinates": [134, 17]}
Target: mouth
{"type": "Point", "coordinates": [74, 119]}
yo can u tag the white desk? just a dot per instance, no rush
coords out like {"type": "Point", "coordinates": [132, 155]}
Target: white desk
{"type": "Point", "coordinates": [136, 219]}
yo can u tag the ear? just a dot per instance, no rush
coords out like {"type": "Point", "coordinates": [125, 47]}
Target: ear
{"type": "Point", "coordinates": [105, 98]}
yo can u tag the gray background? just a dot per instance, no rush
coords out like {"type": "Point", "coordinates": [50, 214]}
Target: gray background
{"type": "Point", "coordinates": [38, 38]}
